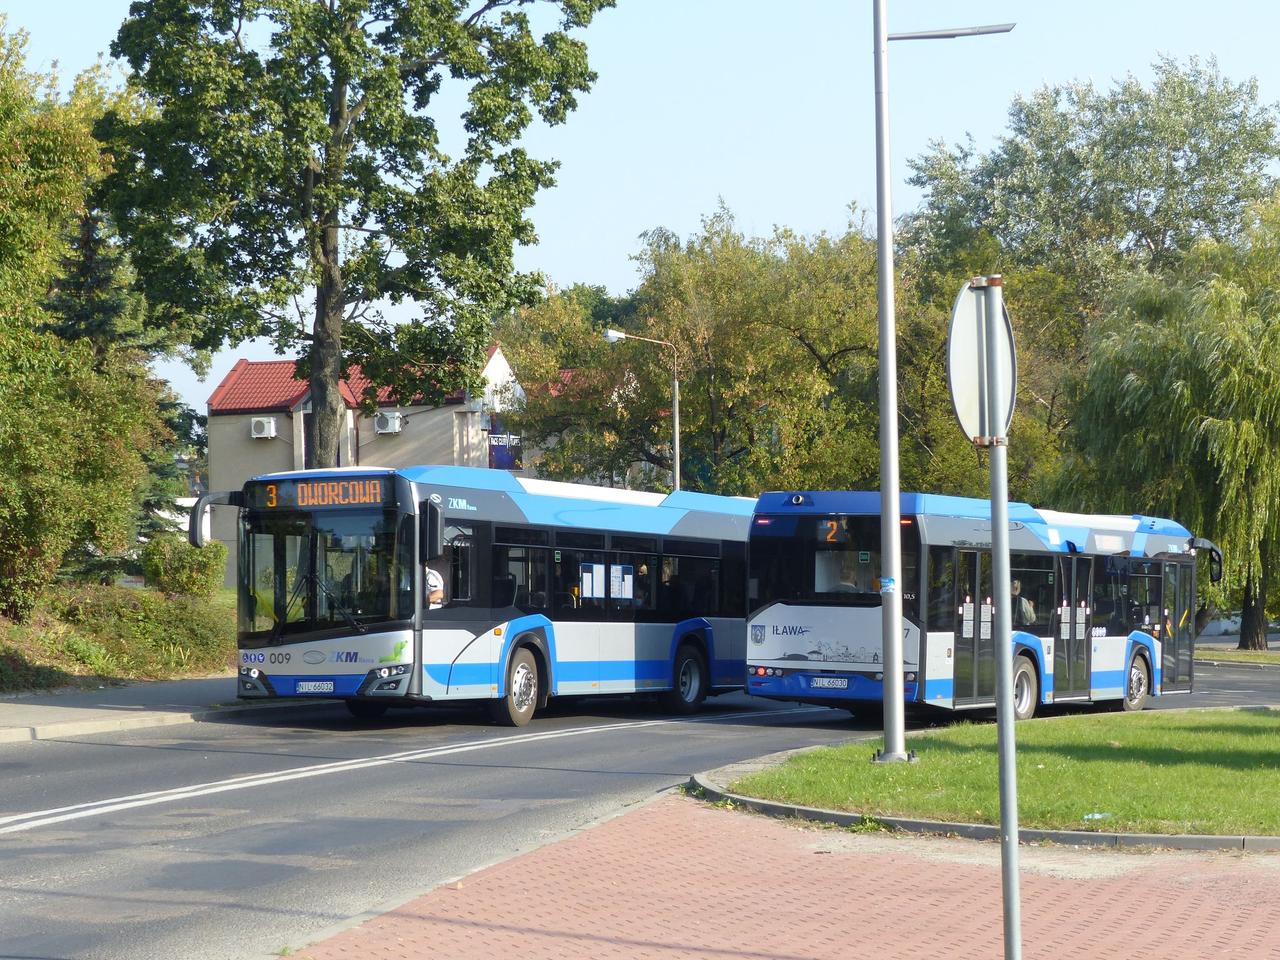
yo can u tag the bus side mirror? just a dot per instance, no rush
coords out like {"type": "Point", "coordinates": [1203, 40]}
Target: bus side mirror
{"type": "Point", "coordinates": [195, 525]}
{"type": "Point", "coordinates": [1215, 557]}
{"type": "Point", "coordinates": [432, 531]}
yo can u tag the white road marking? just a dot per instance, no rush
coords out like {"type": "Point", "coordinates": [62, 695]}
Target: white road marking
{"type": "Point", "coordinates": [17, 823]}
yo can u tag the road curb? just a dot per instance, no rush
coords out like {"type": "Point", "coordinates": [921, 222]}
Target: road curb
{"type": "Point", "coordinates": [150, 718]}
{"type": "Point", "coordinates": [708, 785]}
{"type": "Point", "coordinates": [1237, 663]}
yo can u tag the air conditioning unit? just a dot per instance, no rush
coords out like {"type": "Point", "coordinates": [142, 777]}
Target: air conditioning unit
{"type": "Point", "coordinates": [388, 422]}
{"type": "Point", "coordinates": [262, 428]}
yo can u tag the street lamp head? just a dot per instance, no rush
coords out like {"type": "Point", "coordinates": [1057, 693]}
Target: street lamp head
{"type": "Point", "coordinates": [953, 33]}
{"type": "Point", "coordinates": [613, 336]}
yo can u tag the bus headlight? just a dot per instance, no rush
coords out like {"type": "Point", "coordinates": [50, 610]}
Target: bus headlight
{"type": "Point", "coordinates": [389, 679]}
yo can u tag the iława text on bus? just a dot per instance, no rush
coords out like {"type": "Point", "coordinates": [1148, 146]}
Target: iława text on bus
{"type": "Point", "coordinates": [1103, 607]}
{"type": "Point", "coordinates": [429, 584]}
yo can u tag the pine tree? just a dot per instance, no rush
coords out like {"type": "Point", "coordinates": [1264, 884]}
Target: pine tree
{"type": "Point", "coordinates": [92, 299]}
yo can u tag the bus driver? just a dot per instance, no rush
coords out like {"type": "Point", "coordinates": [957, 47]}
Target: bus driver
{"type": "Point", "coordinates": [435, 589]}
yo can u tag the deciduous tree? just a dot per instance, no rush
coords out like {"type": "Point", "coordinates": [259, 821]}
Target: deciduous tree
{"type": "Point", "coordinates": [1181, 414]}
{"type": "Point", "coordinates": [352, 152]}
{"type": "Point", "coordinates": [1087, 188]}
{"type": "Point", "coordinates": [74, 426]}
{"type": "Point", "coordinates": [774, 341]}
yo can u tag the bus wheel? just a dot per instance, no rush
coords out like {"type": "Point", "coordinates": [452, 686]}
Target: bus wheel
{"type": "Point", "coordinates": [688, 681]}
{"type": "Point", "coordinates": [1139, 685]}
{"type": "Point", "coordinates": [516, 708]}
{"type": "Point", "coordinates": [1026, 692]}
{"type": "Point", "coordinates": [367, 709]}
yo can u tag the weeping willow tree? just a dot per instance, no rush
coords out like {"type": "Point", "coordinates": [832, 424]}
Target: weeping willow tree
{"type": "Point", "coordinates": [1180, 413]}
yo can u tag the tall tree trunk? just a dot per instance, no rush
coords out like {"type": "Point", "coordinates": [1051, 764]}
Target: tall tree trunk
{"type": "Point", "coordinates": [328, 409]}
{"type": "Point", "coordinates": [1253, 613]}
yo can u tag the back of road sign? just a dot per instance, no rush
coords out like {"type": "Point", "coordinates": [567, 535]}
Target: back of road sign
{"type": "Point", "coordinates": [967, 370]}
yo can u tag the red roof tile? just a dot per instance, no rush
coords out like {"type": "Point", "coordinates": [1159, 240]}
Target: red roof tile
{"type": "Point", "coordinates": [259, 386]}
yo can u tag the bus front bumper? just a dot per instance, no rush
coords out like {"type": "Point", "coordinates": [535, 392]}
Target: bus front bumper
{"type": "Point", "coordinates": [817, 687]}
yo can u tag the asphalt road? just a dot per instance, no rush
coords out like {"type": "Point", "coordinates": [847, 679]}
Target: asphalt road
{"type": "Point", "coordinates": [234, 839]}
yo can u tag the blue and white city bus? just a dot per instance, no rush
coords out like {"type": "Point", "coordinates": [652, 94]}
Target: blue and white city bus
{"type": "Point", "coordinates": [1103, 607]}
{"type": "Point", "coordinates": [550, 589]}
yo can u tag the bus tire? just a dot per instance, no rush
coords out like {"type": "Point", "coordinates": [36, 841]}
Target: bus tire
{"type": "Point", "coordinates": [1026, 689]}
{"type": "Point", "coordinates": [1137, 684]}
{"type": "Point", "coordinates": [688, 681]}
{"type": "Point", "coordinates": [366, 709]}
{"type": "Point", "coordinates": [521, 700]}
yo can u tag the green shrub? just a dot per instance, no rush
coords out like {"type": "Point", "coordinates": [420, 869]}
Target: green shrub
{"type": "Point", "coordinates": [81, 632]}
{"type": "Point", "coordinates": [173, 566]}
{"type": "Point", "coordinates": [142, 633]}
{"type": "Point", "coordinates": [90, 654]}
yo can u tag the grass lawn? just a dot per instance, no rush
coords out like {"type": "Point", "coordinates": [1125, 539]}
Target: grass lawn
{"type": "Point", "coordinates": [1215, 772]}
{"type": "Point", "coordinates": [1230, 655]}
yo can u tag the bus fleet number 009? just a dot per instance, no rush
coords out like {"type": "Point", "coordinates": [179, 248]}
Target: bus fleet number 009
{"type": "Point", "coordinates": [265, 658]}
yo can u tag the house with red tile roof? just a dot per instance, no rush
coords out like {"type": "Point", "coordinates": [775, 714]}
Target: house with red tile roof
{"type": "Point", "coordinates": [257, 425]}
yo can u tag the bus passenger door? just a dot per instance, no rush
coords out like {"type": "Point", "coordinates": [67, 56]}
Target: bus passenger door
{"type": "Point", "coordinates": [1177, 628]}
{"type": "Point", "coordinates": [975, 665]}
{"type": "Point", "coordinates": [1072, 622]}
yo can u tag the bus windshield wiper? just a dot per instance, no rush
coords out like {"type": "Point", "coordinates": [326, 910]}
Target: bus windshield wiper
{"type": "Point", "coordinates": [352, 622]}
{"type": "Point", "coordinates": [277, 633]}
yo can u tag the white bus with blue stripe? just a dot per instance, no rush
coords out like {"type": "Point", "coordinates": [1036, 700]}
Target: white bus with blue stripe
{"type": "Point", "coordinates": [1103, 606]}
{"type": "Point", "coordinates": [550, 589]}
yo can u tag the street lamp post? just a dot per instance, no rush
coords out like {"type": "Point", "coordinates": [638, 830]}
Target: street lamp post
{"type": "Point", "coordinates": [614, 336]}
{"type": "Point", "coordinates": [890, 519]}
{"type": "Point", "coordinates": [890, 509]}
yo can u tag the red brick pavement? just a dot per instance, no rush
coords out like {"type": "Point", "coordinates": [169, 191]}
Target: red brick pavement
{"type": "Point", "coordinates": [680, 879]}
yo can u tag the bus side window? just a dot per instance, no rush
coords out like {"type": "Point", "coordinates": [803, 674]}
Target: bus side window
{"type": "Point", "coordinates": [526, 569]}
{"type": "Point", "coordinates": [580, 584]}
{"type": "Point", "coordinates": [1143, 607]}
{"type": "Point", "coordinates": [1108, 596]}
{"type": "Point", "coordinates": [733, 577]}
{"type": "Point", "coordinates": [942, 588]}
{"type": "Point", "coordinates": [690, 586]}
{"type": "Point", "coordinates": [459, 560]}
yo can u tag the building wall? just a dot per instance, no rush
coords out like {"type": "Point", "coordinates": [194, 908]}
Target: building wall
{"type": "Point", "coordinates": [235, 456]}
{"type": "Point", "coordinates": [427, 435]}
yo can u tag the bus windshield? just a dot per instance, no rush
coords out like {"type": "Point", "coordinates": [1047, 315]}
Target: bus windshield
{"type": "Point", "coordinates": [812, 558]}
{"type": "Point", "coordinates": [333, 570]}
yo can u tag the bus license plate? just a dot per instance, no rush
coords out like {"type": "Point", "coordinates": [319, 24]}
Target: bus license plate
{"type": "Point", "coordinates": [315, 686]}
{"type": "Point", "coordinates": [830, 683]}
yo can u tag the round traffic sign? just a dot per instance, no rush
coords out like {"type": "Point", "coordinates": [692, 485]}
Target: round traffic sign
{"type": "Point", "coordinates": [970, 374]}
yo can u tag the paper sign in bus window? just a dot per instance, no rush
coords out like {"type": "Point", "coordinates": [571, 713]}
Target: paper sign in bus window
{"type": "Point", "coordinates": [592, 580]}
{"type": "Point", "coordinates": [621, 581]}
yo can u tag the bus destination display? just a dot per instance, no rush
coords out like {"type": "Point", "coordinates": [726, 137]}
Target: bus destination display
{"type": "Point", "coordinates": [316, 494]}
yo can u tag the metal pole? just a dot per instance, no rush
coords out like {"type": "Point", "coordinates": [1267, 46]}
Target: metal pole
{"type": "Point", "coordinates": [890, 525]}
{"type": "Point", "coordinates": [1000, 621]}
{"type": "Point", "coordinates": [675, 428]}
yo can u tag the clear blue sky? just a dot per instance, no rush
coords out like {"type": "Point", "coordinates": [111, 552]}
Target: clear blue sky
{"type": "Point", "coordinates": [769, 106]}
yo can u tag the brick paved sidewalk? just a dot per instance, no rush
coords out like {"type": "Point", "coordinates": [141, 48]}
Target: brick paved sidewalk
{"type": "Point", "coordinates": [680, 879]}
